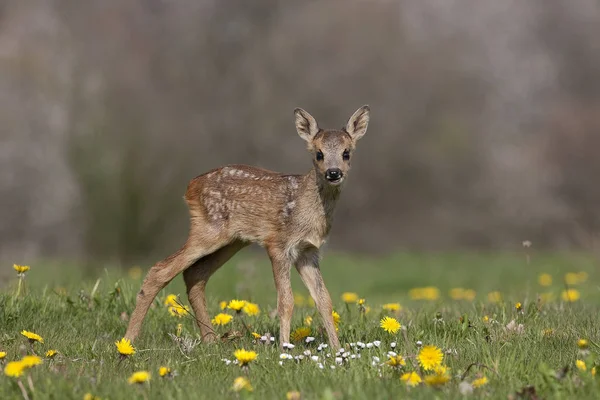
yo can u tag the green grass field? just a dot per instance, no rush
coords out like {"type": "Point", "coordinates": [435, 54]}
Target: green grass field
{"type": "Point", "coordinates": [81, 315]}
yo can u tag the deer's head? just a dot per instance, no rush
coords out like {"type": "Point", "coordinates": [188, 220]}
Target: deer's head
{"type": "Point", "coordinates": [331, 148]}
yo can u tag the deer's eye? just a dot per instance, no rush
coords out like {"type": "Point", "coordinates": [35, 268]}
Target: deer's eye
{"type": "Point", "coordinates": [320, 155]}
{"type": "Point", "coordinates": [346, 155]}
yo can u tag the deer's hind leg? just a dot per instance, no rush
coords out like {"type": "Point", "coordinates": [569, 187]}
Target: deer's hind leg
{"type": "Point", "coordinates": [197, 276]}
{"type": "Point", "coordinates": [203, 240]}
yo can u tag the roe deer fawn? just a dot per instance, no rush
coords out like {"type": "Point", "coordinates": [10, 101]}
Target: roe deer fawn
{"type": "Point", "coordinates": [289, 215]}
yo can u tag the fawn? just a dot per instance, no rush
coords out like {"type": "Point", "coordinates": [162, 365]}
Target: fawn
{"type": "Point", "coordinates": [289, 215]}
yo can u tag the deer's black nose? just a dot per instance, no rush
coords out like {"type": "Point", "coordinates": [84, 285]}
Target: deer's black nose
{"type": "Point", "coordinates": [333, 174]}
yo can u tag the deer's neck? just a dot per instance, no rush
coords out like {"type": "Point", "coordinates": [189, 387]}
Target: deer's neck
{"type": "Point", "coordinates": [320, 198]}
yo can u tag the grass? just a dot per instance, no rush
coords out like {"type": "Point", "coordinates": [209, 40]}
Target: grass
{"type": "Point", "coordinates": [82, 314]}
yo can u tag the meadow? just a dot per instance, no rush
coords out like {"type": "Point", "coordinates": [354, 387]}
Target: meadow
{"type": "Point", "coordinates": [472, 325]}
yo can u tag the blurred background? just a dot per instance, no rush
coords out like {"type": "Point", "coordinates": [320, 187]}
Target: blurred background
{"type": "Point", "coordinates": [485, 122]}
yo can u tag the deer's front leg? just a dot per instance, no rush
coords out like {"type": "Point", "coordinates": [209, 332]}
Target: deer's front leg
{"type": "Point", "coordinates": [285, 298]}
{"type": "Point", "coordinates": [308, 268]}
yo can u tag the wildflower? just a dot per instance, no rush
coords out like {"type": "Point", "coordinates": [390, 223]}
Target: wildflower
{"type": "Point", "coordinates": [251, 309]}
{"type": "Point", "coordinates": [437, 379]}
{"type": "Point", "coordinates": [308, 320]}
{"type": "Point", "coordinates": [336, 318]}
{"type": "Point", "coordinates": [519, 307]}
{"type": "Point", "coordinates": [512, 326]}
{"type": "Point", "coordinates": [51, 353]}
{"type": "Point", "coordinates": [494, 297]}
{"type": "Point", "coordinates": [221, 319]}
{"type": "Point", "coordinates": [480, 382]}
{"type": "Point", "coordinates": [486, 319]}
{"type": "Point", "coordinates": [178, 311]}
{"type": "Point", "coordinates": [469, 294]}
{"type": "Point", "coordinates": [124, 347]}
{"type": "Point", "coordinates": [396, 361]}
{"type": "Point", "coordinates": [411, 378]}
{"type": "Point", "coordinates": [14, 369]}
{"type": "Point", "coordinates": [89, 396]}
{"type": "Point", "coordinates": [580, 364]}
{"type": "Point", "coordinates": [245, 357]}
{"type": "Point", "coordinates": [293, 395]}
{"type": "Point", "coordinates": [164, 371]}
{"type": "Point", "coordinates": [21, 269]}
{"type": "Point", "coordinates": [288, 346]}
{"type": "Point", "coordinates": [33, 337]}
{"type": "Point", "coordinates": [171, 300]}
{"type": "Point", "coordinates": [390, 325]}
{"type": "Point", "coordinates": [457, 293]}
{"type": "Point", "coordinates": [430, 357]}
{"type": "Point", "coordinates": [361, 302]}
{"type": "Point", "coordinates": [300, 333]}
{"type": "Point", "coordinates": [349, 297]}
{"type": "Point", "coordinates": [570, 295]}
{"type": "Point", "coordinates": [547, 332]}
{"type": "Point", "coordinates": [242, 383]}
{"type": "Point", "coordinates": [546, 297]}
{"type": "Point", "coordinates": [545, 279]}
{"type": "Point", "coordinates": [135, 272]}
{"type": "Point", "coordinates": [575, 278]}
{"type": "Point", "coordinates": [223, 305]}
{"type": "Point", "coordinates": [179, 330]}
{"type": "Point", "coordinates": [425, 293]}
{"type": "Point", "coordinates": [2, 354]}
{"type": "Point", "coordinates": [256, 335]}
{"type": "Point", "coordinates": [31, 361]}
{"type": "Point", "coordinates": [393, 307]}
{"type": "Point", "coordinates": [236, 305]}
{"type": "Point", "coordinates": [582, 344]}
{"type": "Point", "coordinates": [139, 377]}
{"type": "Point", "coordinates": [299, 300]}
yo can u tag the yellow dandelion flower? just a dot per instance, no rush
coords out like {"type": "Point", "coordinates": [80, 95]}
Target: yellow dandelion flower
{"type": "Point", "coordinates": [308, 321]}
{"type": "Point", "coordinates": [594, 371]}
{"type": "Point", "coordinates": [580, 364]}
{"type": "Point", "coordinates": [582, 344]}
{"type": "Point", "coordinates": [171, 300]}
{"type": "Point", "coordinates": [2, 354]}
{"type": "Point", "coordinates": [300, 333]}
{"type": "Point", "coordinates": [570, 295]}
{"type": "Point", "coordinates": [242, 383]}
{"type": "Point", "coordinates": [486, 319]}
{"type": "Point", "coordinates": [547, 297]}
{"type": "Point", "coordinates": [221, 319]}
{"type": "Point", "coordinates": [361, 302]}
{"type": "Point", "coordinates": [236, 305]}
{"type": "Point", "coordinates": [245, 357]}
{"type": "Point", "coordinates": [14, 369]}
{"type": "Point", "coordinates": [575, 278]}
{"type": "Point", "coordinates": [582, 276]}
{"type": "Point", "coordinates": [135, 272]}
{"type": "Point", "coordinates": [178, 311]}
{"type": "Point", "coordinates": [164, 371]}
{"type": "Point", "coordinates": [436, 379]}
{"type": "Point", "coordinates": [430, 357]}
{"type": "Point", "coordinates": [367, 309]}
{"type": "Point", "coordinates": [21, 269]}
{"type": "Point", "coordinates": [31, 361]}
{"type": "Point", "coordinates": [299, 300]}
{"type": "Point", "coordinates": [33, 337]}
{"type": "Point", "coordinates": [349, 297]}
{"type": "Point", "coordinates": [545, 279]}
{"type": "Point", "coordinates": [51, 353]}
{"type": "Point", "coordinates": [89, 396]}
{"type": "Point", "coordinates": [223, 305]}
{"type": "Point", "coordinates": [179, 330]}
{"type": "Point", "coordinates": [124, 347]}
{"type": "Point", "coordinates": [390, 325]}
{"type": "Point", "coordinates": [547, 332]}
{"type": "Point", "coordinates": [425, 293]}
{"type": "Point", "coordinates": [293, 395]}
{"type": "Point", "coordinates": [411, 378]}
{"type": "Point", "coordinates": [336, 317]}
{"type": "Point", "coordinates": [480, 382]}
{"type": "Point", "coordinates": [469, 294]}
{"type": "Point", "coordinates": [139, 377]}
{"type": "Point", "coordinates": [251, 309]}
{"type": "Point", "coordinates": [519, 306]}
{"type": "Point", "coordinates": [256, 335]}
{"type": "Point", "coordinates": [396, 361]}
{"type": "Point", "coordinates": [393, 307]}
{"type": "Point", "coordinates": [457, 293]}
{"type": "Point", "coordinates": [494, 297]}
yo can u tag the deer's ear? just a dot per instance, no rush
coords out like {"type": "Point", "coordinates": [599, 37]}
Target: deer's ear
{"type": "Point", "coordinates": [306, 125]}
{"type": "Point", "coordinates": [358, 122]}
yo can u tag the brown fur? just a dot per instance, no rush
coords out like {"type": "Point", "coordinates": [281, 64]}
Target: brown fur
{"type": "Point", "coordinates": [289, 215]}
